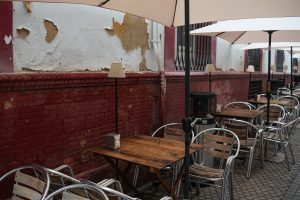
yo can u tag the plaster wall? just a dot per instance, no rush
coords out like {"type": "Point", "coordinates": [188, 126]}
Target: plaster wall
{"type": "Point", "coordinates": [265, 60]}
{"type": "Point", "coordinates": [83, 41]}
{"type": "Point", "coordinates": [229, 56]}
{"type": "Point", "coordinates": [287, 61]}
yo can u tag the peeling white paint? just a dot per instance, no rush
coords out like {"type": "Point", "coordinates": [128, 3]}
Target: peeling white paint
{"type": "Point", "coordinates": [7, 39]}
{"type": "Point", "coordinates": [81, 43]}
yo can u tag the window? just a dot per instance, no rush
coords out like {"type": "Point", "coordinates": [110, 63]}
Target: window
{"type": "Point", "coordinates": [279, 60]}
{"type": "Point", "coordinates": [254, 58]}
{"type": "Point", "coordinates": [200, 49]}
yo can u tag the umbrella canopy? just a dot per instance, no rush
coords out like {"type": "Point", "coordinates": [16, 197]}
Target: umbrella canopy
{"type": "Point", "coordinates": [252, 30]}
{"type": "Point", "coordinates": [277, 45]}
{"type": "Point", "coordinates": [171, 12]}
{"type": "Point", "coordinates": [285, 29]}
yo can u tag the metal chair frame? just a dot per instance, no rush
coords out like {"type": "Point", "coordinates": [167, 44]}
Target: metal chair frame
{"type": "Point", "coordinates": [85, 187]}
{"type": "Point", "coordinates": [249, 136]}
{"type": "Point", "coordinates": [240, 104]}
{"type": "Point", "coordinates": [175, 167]}
{"type": "Point", "coordinates": [294, 113]}
{"type": "Point", "coordinates": [260, 121]}
{"type": "Point", "coordinates": [22, 179]}
{"type": "Point", "coordinates": [220, 145]}
{"type": "Point", "coordinates": [281, 135]}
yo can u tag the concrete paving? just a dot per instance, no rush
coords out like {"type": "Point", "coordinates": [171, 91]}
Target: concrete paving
{"type": "Point", "coordinates": [272, 182]}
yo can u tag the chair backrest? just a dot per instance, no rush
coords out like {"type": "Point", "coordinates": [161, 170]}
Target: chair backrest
{"type": "Point", "coordinates": [243, 129]}
{"type": "Point", "coordinates": [27, 184]}
{"type": "Point", "coordinates": [296, 92]}
{"type": "Point", "coordinates": [283, 91]}
{"type": "Point", "coordinates": [240, 104]}
{"type": "Point", "coordinates": [171, 131]}
{"type": "Point", "coordinates": [293, 101]}
{"type": "Point", "coordinates": [276, 113]}
{"type": "Point", "coordinates": [66, 193]}
{"type": "Point", "coordinates": [218, 143]}
{"type": "Point", "coordinates": [285, 130]}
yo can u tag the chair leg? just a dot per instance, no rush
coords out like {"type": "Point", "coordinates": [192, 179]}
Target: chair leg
{"type": "Point", "coordinates": [286, 158]}
{"type": "Point", "coordinates": [231, 186]}
{"type": "Point", "coordinates": [262, 153]}
{"type": "Point", "coordinates": [250, 162]}
{"type": "Point", "coordinates": [292, 153]}
{"type": "Point", "coordinates": [223, 190]}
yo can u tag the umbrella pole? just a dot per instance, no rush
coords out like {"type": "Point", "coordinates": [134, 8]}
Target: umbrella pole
{"type": "Point", "coordinates": [269, 82]}
{"type": "Point", "coordinates": [187, 120]}
{"type": "Point", "coordinates": [291, 85]}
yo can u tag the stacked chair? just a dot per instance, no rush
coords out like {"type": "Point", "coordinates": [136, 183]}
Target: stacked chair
{"type": "Point", "coordinates": [40, 183]}
{"type": "Point", "coordinates": [222, 146]}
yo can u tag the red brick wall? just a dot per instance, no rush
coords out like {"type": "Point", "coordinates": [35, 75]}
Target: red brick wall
{"type": "Point", "coordinates": [228, 87]}
{"type": "Point", "coordinates": [51, 119]}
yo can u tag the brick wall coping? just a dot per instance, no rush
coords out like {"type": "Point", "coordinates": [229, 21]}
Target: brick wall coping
{"type": "Point", "coordinates": [45, 80]}
{"type": "Point", "coordinates": [67, 75]}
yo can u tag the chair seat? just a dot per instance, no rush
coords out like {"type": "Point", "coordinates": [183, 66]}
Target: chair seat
{"type": "Point", "coordinates": [271, 136]}
{"type": "Point", "coordinates": [206, 172]}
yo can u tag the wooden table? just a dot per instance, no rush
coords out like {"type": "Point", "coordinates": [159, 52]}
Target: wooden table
{"type": "Point", "coordinates": [239, 113]}
{"type": "Point", "coordinates": [152, 152]}
{"type": "Point", "coordinates": [264, 101]}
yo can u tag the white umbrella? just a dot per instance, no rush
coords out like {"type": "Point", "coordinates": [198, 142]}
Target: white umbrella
{"type": "Point", "coordinates": [285, 29]}
{"type": "Point", "coordinates": [281, 46]}
{"type": "Point", "coordinates": [185, 12]}
{"type": "Point", "coordinates": [172, 12]}
{"type": "Point", "coordinates": [277, 45]}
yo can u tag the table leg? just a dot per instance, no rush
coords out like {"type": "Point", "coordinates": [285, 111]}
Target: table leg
{"type": "Point", "coordinates": [122, 175]}
{"type": "Point", "coordinates": [173, 189]}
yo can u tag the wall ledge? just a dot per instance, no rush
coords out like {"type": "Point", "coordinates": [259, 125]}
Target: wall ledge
{"type": "Point", "coordinates": [45, 80]}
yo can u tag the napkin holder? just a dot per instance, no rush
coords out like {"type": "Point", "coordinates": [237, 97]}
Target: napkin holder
{"type": "Point", "coordinates": [112, 141]}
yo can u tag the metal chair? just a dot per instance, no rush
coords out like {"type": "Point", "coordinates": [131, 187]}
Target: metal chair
{"type": "Point", "coordinates": [292, 107]}
{"type": "Point", "coordinates": [89, 191]}
{"type": "Point", "coordinates": [281, 135]}
{"type": "Point", "coordinates": [221, 145]}
{"type": "Point", "coordinates": [110, 191]}
{"type": "Point", "coordinates": [283, 91]}
{"type": "Point", "coordinates": [296, 92]}
{"type": "Point", "coordinates": [170, 131]}
{"type": "Point", "coordinates": [249, 136]}
{"type": "Point", "coordinates": [28, 185]}
{"type": "Point", "coordinates": [59, 180]}
{"type": "Point", "coordinates": [276, 113]}
{"type": "Point", "coordinates": [240, 104]}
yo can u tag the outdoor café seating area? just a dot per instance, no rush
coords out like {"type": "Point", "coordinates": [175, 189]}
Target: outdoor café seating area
{"type": "Point", "coordinates": [149, 100]}
{"type": "Point", "coordinates": [249, 151]}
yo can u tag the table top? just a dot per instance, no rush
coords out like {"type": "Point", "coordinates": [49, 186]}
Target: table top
{"type": "Point", "coordinates": [153, 152]}
{"type": "Point", "coordinates": [264, 101]}
{"type": "Point", "coordinates": [239, 113]}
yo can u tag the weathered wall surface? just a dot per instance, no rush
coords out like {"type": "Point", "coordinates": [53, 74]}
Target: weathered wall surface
{"type": "Point", "coordinates": [6, 50]}
{"type": "Point", "coordinates": [51, 118]}
{"type": "Point", "coordinates": [228, 87]}
{"type": "Point", "coordinates": [229, 57]}
{"type": "Point", "coordinates": [57, 37]}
